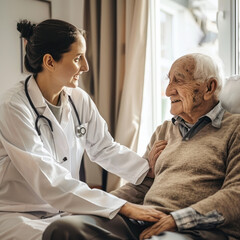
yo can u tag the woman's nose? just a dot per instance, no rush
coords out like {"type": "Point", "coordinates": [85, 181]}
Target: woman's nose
{"type": "Point", "coordinates": [84, 65]}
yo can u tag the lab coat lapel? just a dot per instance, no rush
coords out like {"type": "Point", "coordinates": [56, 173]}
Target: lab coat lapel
{"type": "Point", "coordinates": [60, 136]}
{"type": "Point", "coordinates": [61, 143]}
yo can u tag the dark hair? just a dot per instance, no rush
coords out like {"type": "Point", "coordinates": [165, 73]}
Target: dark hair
{"type": "Point", "coordinates": [50, 36]}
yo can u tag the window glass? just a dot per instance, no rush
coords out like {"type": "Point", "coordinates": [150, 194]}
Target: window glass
{"type": "Point", "coordinates": [166, 34]}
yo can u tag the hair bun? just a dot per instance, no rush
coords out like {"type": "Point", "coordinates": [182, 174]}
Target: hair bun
{"type": "Point", "coordinates": [26, 28]}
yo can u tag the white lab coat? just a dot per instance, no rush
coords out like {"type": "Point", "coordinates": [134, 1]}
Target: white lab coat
{"type": "Point", "coordinates": [31, 180]}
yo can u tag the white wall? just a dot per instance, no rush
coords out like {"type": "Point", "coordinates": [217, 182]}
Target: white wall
{"type": "Point", "coordinates": [70, 11]}
{"type": "Point", "coordinates": [11, 11]}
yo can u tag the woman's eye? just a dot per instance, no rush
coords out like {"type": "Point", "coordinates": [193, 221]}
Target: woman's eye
{"type": "Point", "coordinates": [77, 59]}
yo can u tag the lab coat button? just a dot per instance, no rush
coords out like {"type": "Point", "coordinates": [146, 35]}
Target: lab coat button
{"type": "Point", "coordinates": [65, 159]}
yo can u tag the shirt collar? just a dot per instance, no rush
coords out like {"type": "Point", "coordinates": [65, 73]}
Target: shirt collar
{"type": "Point", "coordinates": [216, 115]}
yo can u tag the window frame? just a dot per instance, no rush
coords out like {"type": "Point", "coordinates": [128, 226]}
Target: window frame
{"type": "Point", "coordinates": [227, 22]}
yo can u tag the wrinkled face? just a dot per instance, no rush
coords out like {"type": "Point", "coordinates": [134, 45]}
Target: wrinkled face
{"type": "Point", "coordinates": [185, 92]}
{"type": "Point", "coordinates": [72, 64]}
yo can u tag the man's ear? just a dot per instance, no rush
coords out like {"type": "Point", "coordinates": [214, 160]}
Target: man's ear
{"type": "Point", "coordinates": [210, 88]}
{"type": "Point", "coordinates": [48, 62]}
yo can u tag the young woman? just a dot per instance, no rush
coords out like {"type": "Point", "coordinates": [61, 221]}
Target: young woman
{"type": "Point", "coordinates": [46, 122]}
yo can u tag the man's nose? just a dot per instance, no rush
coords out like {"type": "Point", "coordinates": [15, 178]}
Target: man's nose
{"type": "Point", "coordinates": [170, 90]}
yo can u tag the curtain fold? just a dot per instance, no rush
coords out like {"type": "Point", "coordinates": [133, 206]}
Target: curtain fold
{"type": "Point", "coordinates": [116, 50]}
{"type": "Point", "coordinates": [128, 121]}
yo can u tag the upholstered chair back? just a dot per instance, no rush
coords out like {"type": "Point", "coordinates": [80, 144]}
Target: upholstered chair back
{"type": "Point", "coordinates": [230, 94]}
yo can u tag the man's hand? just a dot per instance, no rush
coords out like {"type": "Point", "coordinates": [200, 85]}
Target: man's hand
{"type": "Point", "coordinates": [153, 155]}
{"type": "Point", "coordinates": [166, 223]}
{"type": "Point", "coordinates": [140, 212]}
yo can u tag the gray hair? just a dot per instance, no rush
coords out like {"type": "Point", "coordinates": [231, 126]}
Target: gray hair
{"type": "Point", "coordinates": [208, 67]}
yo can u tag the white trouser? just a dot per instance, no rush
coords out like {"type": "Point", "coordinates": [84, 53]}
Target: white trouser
{"type": "Point", "coordinates": [23, 226]}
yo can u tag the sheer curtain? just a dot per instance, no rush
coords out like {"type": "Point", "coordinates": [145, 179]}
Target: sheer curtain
{"type": "Point", "coordinates": [116, 50]}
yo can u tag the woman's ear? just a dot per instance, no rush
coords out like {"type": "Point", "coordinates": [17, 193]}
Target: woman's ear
{"type": "Point", "coordinates": [48, 62]}
{"type": "Point", "coordinates": [210, 88]}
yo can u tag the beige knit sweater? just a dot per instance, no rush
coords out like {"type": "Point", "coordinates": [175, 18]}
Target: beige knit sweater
{"type": "Point", "coordinates": [202, 173]}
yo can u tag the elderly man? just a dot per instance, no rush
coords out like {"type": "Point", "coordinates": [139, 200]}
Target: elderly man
{"type": "Point", "coordinates": [197, 173]}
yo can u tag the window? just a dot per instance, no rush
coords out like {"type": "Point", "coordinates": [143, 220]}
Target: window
{"type": "Point", "coordinates": [227, 22]}
{"type": "Point", "coordinates": [176, 27]}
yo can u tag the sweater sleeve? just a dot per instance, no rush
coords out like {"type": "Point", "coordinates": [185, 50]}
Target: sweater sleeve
{"type": "Point", "coordinates": [134, 193]}
{"type": "Point", "coordinates": [226, 200]}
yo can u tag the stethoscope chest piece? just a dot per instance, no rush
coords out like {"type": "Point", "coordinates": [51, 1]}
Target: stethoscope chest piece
{"type": "Point", "coordinates": [80, 131]}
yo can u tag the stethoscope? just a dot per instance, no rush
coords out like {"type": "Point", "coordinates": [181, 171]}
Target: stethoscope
{"type": "Point", "coordinates": [79, 130]}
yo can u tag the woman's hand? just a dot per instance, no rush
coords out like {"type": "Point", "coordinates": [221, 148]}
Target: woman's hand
{"type": "Point", "coordinates": [166, 223]}
{"type": "Point", "coordinates": [140, 212]}
{"type": "Point", "coordinates": [153, 155]}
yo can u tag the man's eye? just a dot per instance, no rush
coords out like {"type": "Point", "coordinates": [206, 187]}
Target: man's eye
{"type": "Point", "coordinates": [176, 80]}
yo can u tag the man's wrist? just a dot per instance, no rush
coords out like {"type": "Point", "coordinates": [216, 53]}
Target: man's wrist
{"type": "Point", "coordinates": [184, 218]}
